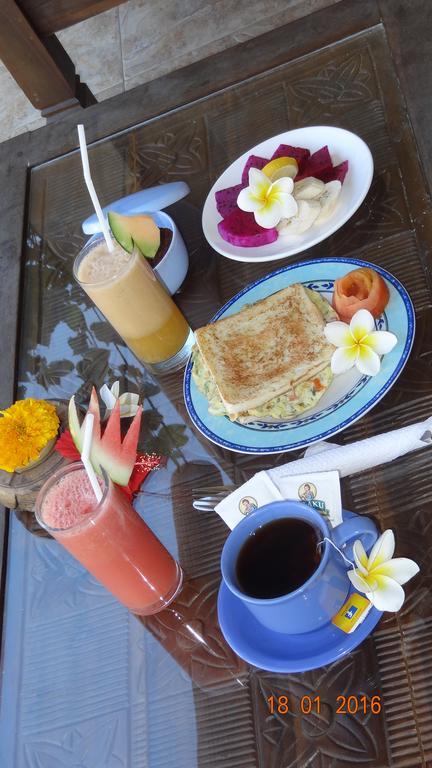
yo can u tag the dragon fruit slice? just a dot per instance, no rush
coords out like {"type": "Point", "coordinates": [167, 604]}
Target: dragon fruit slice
{"type": "Point", "coordinates": [108, 451]}
{"type": "Point", "coordinates": [240, 228]}
{"type": "Point", "coordinates": [318, 163]}
{"type": "Point", "coordinates": [226, 199]}
{"type": "Point", "coordinates": [337, 173]}
{"type": "Point", "coordinates": [298, 153]}
{"type": "Point", "coordinates": [253, 161]}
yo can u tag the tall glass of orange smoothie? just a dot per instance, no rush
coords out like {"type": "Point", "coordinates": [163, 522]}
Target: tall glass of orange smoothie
{"type": "Point", "coordinates": [110, 539]}
{"type": "Point", "coordinates": [125, 288]}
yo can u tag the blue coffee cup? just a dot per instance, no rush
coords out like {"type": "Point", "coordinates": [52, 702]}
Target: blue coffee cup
{"type": "Point", "coordinates": [316, 602]}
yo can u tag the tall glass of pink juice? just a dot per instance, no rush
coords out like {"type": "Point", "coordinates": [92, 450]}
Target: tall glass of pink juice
{"type": "Point", "coordinates": [110, 539]}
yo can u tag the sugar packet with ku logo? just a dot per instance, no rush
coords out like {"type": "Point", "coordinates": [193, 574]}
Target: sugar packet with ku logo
{"type": "Point", "coordinates": [320, 490]}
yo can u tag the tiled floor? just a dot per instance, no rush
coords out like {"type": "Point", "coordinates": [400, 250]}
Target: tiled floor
{"type": "Point", "coordinates": [141, 40]}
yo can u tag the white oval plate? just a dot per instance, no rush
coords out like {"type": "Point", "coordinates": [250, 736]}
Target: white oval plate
{"type": "Point", "coordinates": [343, 145]}
{"type": "Point", "coordinates": [348, 397]}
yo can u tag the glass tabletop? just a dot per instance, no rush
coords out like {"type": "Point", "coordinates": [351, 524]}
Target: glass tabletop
{"type": "Point", "coordinates": [85, 683]}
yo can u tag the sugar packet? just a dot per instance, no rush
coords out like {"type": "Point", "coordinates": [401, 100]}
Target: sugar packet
{"type": "Point", "coordinates": [256, 492]}
{"type": "Point", "coordinates": [320, 490]}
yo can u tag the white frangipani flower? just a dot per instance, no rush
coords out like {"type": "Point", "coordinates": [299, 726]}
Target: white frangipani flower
{"type": "Point", "coordinates": [380, 576]}
{"type": "Point", "coordinates": [268, 202]}
{"type": "Point", "coordinates": [128, 400]}
{"type": "Point", "coordinates": [358, 344]}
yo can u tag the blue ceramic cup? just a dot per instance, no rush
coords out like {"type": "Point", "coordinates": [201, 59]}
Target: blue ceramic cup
{"type": "Point", "coordinates": [323, 594]}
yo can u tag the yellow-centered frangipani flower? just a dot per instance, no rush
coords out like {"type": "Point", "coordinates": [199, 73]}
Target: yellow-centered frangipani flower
{"type": "Point", "coordinates": [380, 576]}
{"type": "Point", "coordinates": [358, 344]}
{"type": "Point", "coordinates": [268, 202]}
{"type": "Point", "coordinates": [25, 429]}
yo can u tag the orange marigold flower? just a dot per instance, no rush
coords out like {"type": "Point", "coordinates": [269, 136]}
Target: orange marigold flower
{"type": "Point", "coordinates": [25, 429]}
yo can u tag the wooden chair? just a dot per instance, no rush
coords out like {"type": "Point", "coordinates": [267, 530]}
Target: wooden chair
{"type": "Point", "coordinates": [34, 56]}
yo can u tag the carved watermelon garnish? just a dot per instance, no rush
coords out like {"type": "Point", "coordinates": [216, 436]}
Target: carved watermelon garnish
{"type": "Point", "coordinates": [117, 457]}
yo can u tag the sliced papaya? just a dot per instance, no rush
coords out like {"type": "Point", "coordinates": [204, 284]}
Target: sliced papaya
{"type": "Point", "coordinates": [139, 230]}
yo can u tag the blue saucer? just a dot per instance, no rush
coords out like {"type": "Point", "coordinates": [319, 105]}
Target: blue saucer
{"type": "Point", "coordinates": [279, 652]}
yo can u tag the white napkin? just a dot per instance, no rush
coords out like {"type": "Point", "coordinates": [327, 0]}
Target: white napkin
{"type": "Point", "coordinates": [358, 456]}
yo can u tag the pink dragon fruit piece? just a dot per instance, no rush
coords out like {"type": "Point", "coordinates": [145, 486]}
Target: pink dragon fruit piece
{"type": "Point", "coordinates": [318, 163]}
{"type": "Point", "coordinates": [337, 173]}
{"type": "Point", "coordinates": [240, 228]}
{"type": "Point", "coordinates": [298, 153]}
{"type": "Point", "coordinates": [226, 199]}
{"type": "Point", "coordinates": [253, 161]}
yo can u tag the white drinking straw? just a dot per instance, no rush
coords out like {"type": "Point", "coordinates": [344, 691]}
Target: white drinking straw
{"type": "Point", "coordinates": [91, 189]}
{"type": "Point", "coordinates": [85, 455]}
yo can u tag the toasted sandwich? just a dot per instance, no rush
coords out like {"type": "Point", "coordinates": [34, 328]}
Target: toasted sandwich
{"type": "Point", "coordinates": [271, 355]}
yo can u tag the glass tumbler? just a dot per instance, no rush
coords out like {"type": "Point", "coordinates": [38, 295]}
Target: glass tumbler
{"type": "Point", "coordinates": [110, 539]}
{"type": "Point", "coordinates": [127, 291]}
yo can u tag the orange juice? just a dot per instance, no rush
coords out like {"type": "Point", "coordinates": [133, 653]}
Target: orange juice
{"type": "Point", "coordinates": [167, 339]}
{"type": "Point", "coordinates": [110, 539]}
{"type": "Point", "coordinates": [125, 288]}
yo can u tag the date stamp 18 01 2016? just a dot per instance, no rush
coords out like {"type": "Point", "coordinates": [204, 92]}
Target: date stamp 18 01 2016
{"type": "Point", "coordinates": [344, 705]}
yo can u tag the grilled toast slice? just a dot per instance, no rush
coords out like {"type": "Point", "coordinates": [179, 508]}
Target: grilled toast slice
{"type": "Point", "coordinates": [265, 349]}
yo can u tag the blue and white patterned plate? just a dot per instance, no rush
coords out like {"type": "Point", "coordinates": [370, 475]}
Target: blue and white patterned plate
{"type": "Point", "coordinates": [349, 396]}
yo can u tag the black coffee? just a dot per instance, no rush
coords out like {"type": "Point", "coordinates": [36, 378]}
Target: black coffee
{"type": "Point", "coordinates": [278, 558]}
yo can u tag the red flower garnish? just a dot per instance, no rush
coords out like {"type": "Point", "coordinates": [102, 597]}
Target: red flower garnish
{"type": "Point", "coordinates": [66, 446]}
{"type": "Point", "coordinates": [144, 463]}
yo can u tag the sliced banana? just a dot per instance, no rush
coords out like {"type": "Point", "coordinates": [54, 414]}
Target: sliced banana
{"type": "Point", "coordinates": [308, 189]}
{"type": "Point", "coordinates": [308, 211]}
{"type": "Point", "coordinates": [328, 200]}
